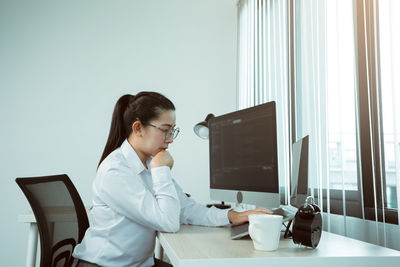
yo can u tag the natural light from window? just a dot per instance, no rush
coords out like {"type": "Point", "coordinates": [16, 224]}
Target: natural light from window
{"type": "Point", "coordinates": [342, 149]}
{"type": "Point", "coordinates": [325, 91]}
{"type": "Point", "coordinates": [389, 20]}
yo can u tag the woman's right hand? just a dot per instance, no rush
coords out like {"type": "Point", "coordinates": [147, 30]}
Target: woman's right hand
{"type": "Point", "coordinates": [237, 218]}
{"type": "Point", "coordinates": [163, 158]}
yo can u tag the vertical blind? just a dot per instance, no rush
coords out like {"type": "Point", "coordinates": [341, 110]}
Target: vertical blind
{"type": "Point", "coordinates": [262, 67]}
{"type": "Point", "coordinates": [333, 70]}
{"type": "Point", "coordinates": [390, 96]}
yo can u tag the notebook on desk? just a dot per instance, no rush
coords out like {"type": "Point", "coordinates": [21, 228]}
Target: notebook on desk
{"type": "Point", "coordinates": [298, 188]}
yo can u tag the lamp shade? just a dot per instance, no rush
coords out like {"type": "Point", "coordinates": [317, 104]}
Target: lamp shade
{"type": "Point", "coordinates": [201, 128]}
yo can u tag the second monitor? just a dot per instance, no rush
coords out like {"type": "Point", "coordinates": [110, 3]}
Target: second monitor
{"type": "Point", "coordinates": [243, 156]}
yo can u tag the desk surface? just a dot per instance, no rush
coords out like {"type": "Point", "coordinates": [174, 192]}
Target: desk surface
{"type": "Point", "coordinates": [212, 246]}
{"type": "Point", "coordinates": [62, 213]}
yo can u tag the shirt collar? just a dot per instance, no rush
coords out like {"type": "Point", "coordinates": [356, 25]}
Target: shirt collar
{"type": "Point", "coordinates": [132, 157]}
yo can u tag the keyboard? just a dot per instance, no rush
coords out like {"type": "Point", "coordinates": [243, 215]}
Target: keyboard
{"type": "Point", "coordinates": [287, 215]}
{"type": "Point", "coordinates": [239, 231]}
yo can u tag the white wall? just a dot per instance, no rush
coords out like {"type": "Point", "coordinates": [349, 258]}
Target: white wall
{"type": "Point", "coordinates": [63, 65]}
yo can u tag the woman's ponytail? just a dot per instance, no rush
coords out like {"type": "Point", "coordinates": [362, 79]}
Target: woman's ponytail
{"type": "Point", "coordinates": [118, 132]}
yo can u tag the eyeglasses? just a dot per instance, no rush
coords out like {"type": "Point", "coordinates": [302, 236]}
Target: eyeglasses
{"type": "Point", "coordinates": [169, 134]}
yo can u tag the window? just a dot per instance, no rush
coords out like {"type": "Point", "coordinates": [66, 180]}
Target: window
{"type": "Point", "coordinates": [333, 66]}
{"type": "Point", "coordinates": [390, 96]}
{"type": "Point", "coordinates": [325, 91]}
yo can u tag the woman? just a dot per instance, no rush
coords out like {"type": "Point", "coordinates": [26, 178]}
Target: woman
{"type": "Point", "coordinates": [134, 193]}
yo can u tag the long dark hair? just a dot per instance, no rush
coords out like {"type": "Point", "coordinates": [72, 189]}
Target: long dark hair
{"type": "Point", "coordinates": [142, 107]}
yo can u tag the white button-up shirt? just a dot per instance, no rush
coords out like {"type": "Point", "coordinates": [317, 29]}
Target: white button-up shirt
{"type": "Point", "coordinates": [130, 204]}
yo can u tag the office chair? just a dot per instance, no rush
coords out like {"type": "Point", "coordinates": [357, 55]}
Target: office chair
{"type": "Point", "coordinates": [60, 215]}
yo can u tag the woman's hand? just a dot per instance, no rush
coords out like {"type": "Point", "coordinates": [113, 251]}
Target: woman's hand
{"type": "Point", "coordinates": [163, 158]}
{"type": "Point", "coordinates": [237, 218]}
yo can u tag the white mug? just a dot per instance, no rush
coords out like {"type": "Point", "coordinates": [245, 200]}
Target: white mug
{"type": "Point", "coordinates": [265, 230]}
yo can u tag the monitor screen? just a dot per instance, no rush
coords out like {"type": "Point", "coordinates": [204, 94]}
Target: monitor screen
{"type": "Point", "coordinates": [299, 179]}
{"type": "Point", "coordinates": [243, 153]}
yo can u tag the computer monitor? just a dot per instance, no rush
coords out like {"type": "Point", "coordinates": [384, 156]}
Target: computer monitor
{"type": "Point", "coordinates": [243, 156]}
{"type": "Point", "coordinates": [299, 179]}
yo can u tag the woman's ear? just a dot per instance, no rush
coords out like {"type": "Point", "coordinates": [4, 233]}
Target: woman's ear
{"type": "Point", "coordinates": [137, 128]}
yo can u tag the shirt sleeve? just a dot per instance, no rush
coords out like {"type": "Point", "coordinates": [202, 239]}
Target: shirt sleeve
{"type": "Point", "coordinates": [197, 214]}
{"type": "Point", "coordinates": [126, 194]}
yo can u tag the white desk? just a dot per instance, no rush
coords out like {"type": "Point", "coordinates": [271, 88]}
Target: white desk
{"type": "Point", "coordinates": [32, 238]}
{"type": "Point", "coordinates": [197, 246]}
{"type": "Point", "coordinates": [64, 214]}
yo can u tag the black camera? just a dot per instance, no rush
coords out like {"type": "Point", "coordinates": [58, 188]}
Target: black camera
{"type": "Point", "coordinates": [307, 226]}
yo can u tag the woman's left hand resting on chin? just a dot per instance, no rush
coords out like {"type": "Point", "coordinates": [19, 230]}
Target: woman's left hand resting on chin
{"type": "Point", "coordinates": [237, 218]}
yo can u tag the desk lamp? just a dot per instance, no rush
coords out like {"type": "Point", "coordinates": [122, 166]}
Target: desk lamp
{"type": "Point", "coordinates": [201, 128]}
{"type": "Point", "coordinates": [202, 131]}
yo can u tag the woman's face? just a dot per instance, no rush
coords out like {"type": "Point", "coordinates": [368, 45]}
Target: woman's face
{"type": "Point", "coordinates": [156, 135]}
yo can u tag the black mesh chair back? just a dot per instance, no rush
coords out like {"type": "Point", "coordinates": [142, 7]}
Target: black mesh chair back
{"type": "Point", "coordinates": [60, 215]}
